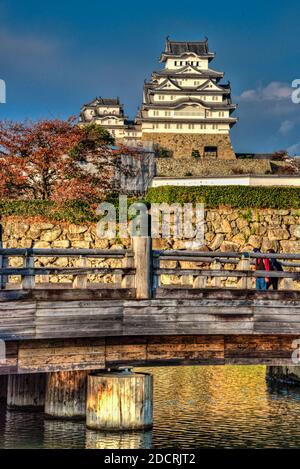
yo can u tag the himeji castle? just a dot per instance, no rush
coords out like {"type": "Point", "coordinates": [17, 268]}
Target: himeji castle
{"type": "Point", "coordinates": [186, 108]}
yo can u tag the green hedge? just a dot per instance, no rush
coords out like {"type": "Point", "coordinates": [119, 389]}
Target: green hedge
{"type": "Point", "coordinates": [234, 196]}
{"type": "Point", "coordinates": [212, 196]}
{"type": "Point", "coordinates": [74, 212]}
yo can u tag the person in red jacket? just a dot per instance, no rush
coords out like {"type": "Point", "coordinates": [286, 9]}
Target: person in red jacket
{"type": "Point", "coordinates": [262, 264]}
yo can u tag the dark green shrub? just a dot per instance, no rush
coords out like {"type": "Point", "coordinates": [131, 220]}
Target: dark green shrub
{"type": "Point", "coordinates": [234, 196]}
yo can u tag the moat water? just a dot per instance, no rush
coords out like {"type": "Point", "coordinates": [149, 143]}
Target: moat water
{"type": "Point", "coordinates": [194, 407]}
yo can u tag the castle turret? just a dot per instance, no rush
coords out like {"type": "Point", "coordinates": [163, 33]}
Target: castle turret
{"type": "Point", "coordinates": [109, 113]}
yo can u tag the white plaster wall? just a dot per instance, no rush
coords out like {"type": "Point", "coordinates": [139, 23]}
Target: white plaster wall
{"type": "Point", "coordinates": [160, 128]}
{"type": "Point", "coordinates": [170, 63]}
{"type": "Point", "coordinates": [267, 181]}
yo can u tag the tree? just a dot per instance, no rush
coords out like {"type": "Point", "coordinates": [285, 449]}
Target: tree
{"type": "Point", "coordinates": [58, 160]}
{"type": "Point", "coordinates": [34, 156]}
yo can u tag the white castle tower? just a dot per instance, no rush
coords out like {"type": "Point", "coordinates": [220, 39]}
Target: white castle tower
{"type": "Point", "coordinates": [185, 107]}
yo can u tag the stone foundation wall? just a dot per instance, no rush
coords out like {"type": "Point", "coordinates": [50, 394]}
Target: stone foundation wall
{"type": "Point", "coordinates": [170, 167]}
{"type": "Point", "coordinates": [181, 145]}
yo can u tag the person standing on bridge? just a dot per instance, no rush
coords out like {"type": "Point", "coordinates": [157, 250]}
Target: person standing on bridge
{"type": "Point", "coordinates": [275, 266]}
{"type": "Point", "coordinates": [262, 264]}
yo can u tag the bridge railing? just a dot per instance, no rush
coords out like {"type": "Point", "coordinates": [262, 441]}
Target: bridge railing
{"type": "Point", "coordinates": [139, 268]}
{"type": "Point", "coordinates": [31, 275]}
{"type": "Point", "coordinates": [192, 269]}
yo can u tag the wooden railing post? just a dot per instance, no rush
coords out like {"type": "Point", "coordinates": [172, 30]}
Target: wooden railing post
{"type": "Point", "coordinates": [155, 277]}
{"type": "Point", "coordinates": [200, 281]}
{"type": "Point", "coordinates": [245, 264]}
{"type": "Point", "coordinates": [186, 280]}
{"type": "Point", "coordinates": [3, 278]}
{"type": "Point", "coordinates": [28, 281]}
{"type": "Point", "coordinates": [142, 247]}
{"type": "Point", "coordinates": [3, 263]}
{"type": "Point", "coordinates": [216, 281]}
{"type": "Point", "coordinates": [80, 280]}
{"type": "Point", "coordinates": [128, 280]}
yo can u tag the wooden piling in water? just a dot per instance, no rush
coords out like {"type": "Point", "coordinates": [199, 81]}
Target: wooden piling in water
{"type": "Point", "coordinates": [3, 388]}
{"type": "Point", "coordinates": [26, 392]}
{"type": "Point", "coordinates": [66, 395]}
{"type": "Point", "coordinates": [119, 401]}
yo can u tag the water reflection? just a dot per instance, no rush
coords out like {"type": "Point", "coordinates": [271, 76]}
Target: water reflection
{"type": "Point", "coordinates": [64, 434]}
{"type": "Point", "coordinates": [217, 406]}
{"type": "Point", "coordinates": [127, 440]}
{"type": "Point", "coordinates": [21, 430]}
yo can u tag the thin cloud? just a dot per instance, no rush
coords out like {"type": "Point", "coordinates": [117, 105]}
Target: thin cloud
{"type": "Point", "coordinates": [286, 126]}
{"type": "Point", "coordinates": [27, 52]}
{"type": "Point", "coordinates": [274, 91]}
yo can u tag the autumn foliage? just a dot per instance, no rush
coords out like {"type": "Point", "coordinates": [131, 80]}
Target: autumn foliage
{"type": "Point", "coordinates": [58, 160]}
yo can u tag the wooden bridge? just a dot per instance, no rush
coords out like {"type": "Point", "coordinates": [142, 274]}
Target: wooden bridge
{"type": "Point", "coordinates": [67, 318]}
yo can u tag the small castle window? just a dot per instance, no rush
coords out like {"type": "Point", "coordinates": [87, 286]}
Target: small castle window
{"type": "Point", "coordinates": [179, 126]}
{"type": "Point", "coordinates": [211, 152]}
{"type": "Point", "coordinates": [191, 126]}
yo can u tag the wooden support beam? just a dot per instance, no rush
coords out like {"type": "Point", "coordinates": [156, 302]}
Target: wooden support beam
{"type": "Point", "coordinates": [142, 261]}
{"type": "Point", "coordinates": [80, 281]}
{"type": "Point", "coordinates": [28, 281]}
{"type": "Point", "coordinates": [119, 401]}
{"type": "Point", "coordinates": [3, 277]}
{"type": "Point", "coordinates": [128, 280]}
{"type": "Point", "coordinates": [26, 391]}
{"type": "Point", "coordinates": [66, 395]}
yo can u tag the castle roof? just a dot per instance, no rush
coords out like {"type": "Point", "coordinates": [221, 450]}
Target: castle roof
{"type": "Point", "coordinates": [99, 101]}
{"type": "Point", "coordinates": [178, 48]}
{"type": "Point", "coordinates": [191, 100]}
{"type": "Point", "coordinates": [209, 73]}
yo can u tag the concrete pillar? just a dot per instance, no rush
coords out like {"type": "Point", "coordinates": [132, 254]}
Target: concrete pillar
{"type": "Point", "coordinates": [119, 401]}
{"type": "Point", "coordinates": [3, 388]}
{"type": "Point", "coordinates": [66, 395]}
{"type": "Point", "coordinates": [26, 392]}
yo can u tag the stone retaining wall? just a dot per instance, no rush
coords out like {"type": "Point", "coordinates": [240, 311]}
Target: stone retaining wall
{"type": "Point", "coordinates": [226, 229]}
{"type": "Point", "coordinates": [169, 167]}
{"type": "Point", "coordinates": [181, 145]}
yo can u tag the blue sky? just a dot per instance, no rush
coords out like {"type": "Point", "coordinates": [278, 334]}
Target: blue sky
{"type": "Point", "coordinates": [55, 56]}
